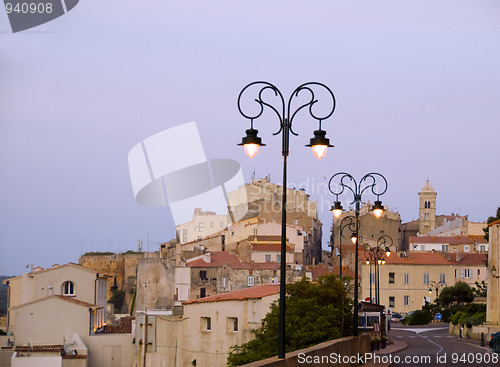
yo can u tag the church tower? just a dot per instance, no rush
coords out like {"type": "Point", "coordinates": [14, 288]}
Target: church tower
{"type": "Point", "coordinates": [427, 209]}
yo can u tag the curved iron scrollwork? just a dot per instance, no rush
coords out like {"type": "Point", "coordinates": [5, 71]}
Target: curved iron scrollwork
{"type": "Point", "coordinates": [284, 112]}
{"type": "Point", "coordinates": [367, 182]}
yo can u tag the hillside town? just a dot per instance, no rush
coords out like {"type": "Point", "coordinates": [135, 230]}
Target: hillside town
{"type": "Point", "coordinates": [196, 296]}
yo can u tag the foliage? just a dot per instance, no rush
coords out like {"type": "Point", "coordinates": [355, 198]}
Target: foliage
{"type": "Point", "coordinates": [133, 302]}
{"type": "Point", "coordinates": [129, 252]}
{"type": "Point", "coordinates": [420, 317]}
{"type": "Point", "coordinates": [98, 253]}
{"type": "Point", "coordinates": [117, 299]}
{"type": "Point", "coordinates": [491, 220]}
{"type": "Point", "coordinates": [481, 289]}
{"type": "Point", "coordinates": [315, 312]}
{"type": "Point", "coordinates": [459, 293]}
{"type": "Point", "coordinates": [458, 314]}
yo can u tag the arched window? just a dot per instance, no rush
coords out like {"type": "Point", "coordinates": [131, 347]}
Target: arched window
{"type": "Point", "coordinates": [68, 289]}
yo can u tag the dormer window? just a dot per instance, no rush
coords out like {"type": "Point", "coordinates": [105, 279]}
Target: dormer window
{"type": "Point", "coordinates": [68, 288]}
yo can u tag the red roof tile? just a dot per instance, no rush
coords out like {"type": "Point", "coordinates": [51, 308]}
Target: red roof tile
{"type": "Point", "coordinates": [452, 240]}
{"type": "Point", "coordinates": [275, 247]}
{"type": "Point", "coordinates": [469, 259]}
{"type": "Point", "coordinates": [273, 266]}
{"type": "Point", "coordinates": [242, 294]}
{"type": "Point", "coordinates": [217, 258]}
{"type": "Point", "coordinates": [495, 222]}
{"type": "Point", "coordinates": [436, 258]}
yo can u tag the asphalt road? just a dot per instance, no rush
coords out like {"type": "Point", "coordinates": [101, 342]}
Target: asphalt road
{"type": "Point", "coordinates": [431, 345]}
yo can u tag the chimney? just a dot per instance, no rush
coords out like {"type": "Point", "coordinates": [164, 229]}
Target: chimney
{"type": "Point", "coordinates": [459, 256]}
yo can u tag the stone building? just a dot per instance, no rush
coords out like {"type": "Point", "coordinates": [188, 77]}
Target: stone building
{"type": "Point", "coordinates": [448, 244]}
{"type": "Point", "coordinates": [209, 326]}
{"type": "Point", "coordinates": [405, 277]}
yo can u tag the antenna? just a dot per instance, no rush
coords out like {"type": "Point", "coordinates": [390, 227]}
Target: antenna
{"type": "Point", "coordinates": [140, 246]}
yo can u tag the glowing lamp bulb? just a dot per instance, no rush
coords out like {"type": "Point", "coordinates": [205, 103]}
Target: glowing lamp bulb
{"type": "Point", "coordinates": [337, 213]}
{"type": "Point", "coordinates": [383, 262]}
{"type": "Point", "coordinates": [430, 291]}
{"type": "Point", "coordinates": [367, 262]}
{"type": "Point", "coordinates": [387, 253]}
{"type": "Point", "coordinates": [251, 149]}
{"type": "Point", "coordinates": [319, 151]}
{"type": "Point", "coordinates": [378, 213]}
{"type": "Point", "coordinates": [354, 239]}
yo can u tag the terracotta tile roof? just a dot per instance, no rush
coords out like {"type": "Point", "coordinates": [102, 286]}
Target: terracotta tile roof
{"type": "Point", "coordinates": [275, 247]}
{"type": "Point", "coordinates": [469, 259]}
{"type": "Point", "coordinates": [242, 294]}
{"type": "Point", "coordinates": [71, 356]}
{"type": "Point", "coordinates": [452, 240]}
{"type": "Point", "coordinates": [217, 258]}
{"type": "Point", "coordinates": [436, 258]}
{"type": "Point", "coordinates": [64, 298]}
{"type": "Point", "coordinates": [493, 223]}
{"type": "Point", "coordinates": [478, 238]}
{"type": "Point", "coordinates": [416, 258]}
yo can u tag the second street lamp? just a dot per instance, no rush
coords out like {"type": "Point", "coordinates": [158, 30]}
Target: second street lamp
{"type": "Point", "coordinates": [343, 182]}
{"type": "Point", "coordinates": [319, 144]}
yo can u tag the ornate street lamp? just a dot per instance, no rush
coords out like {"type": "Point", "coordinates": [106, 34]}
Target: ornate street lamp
{"type": "Point", "coordinates": [436, 285]}
{"type": "Point", "coordinates": [319, 144]}
{"type": "Point", "coordinates": [367, 182]}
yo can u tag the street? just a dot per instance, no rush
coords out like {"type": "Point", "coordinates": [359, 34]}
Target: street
{"type": "Point", "coordinates": [432, 345]}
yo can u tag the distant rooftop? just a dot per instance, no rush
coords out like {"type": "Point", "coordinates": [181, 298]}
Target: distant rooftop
{"type": "Point", "coordinates": [256, 292]}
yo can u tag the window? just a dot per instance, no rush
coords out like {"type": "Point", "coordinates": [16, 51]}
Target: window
{"type": "Point", "coordinates": [255, 231]}
{"type": "Point", "coordinates": [444, 248]}
{"type": "Point", "coordinates": [422, 247]}
{"type": "Point", "coordinates": [198, 238]}
{"type": "Point", "coordinates": [206, 324]}
{"type": "Point", "coordinates": [372, 278]}
{"type": "Point", "coordinates": [478, 272]}
{"type": "Point", "coordinates": [203, 274]}
{"type": "Point", "coordinates": [200, 227]}
{"type": "Point", "coordinates": [407, 278]}
{"type": "Point", "coordinates": [391, 278]}
{"type": "Point", "coordinates": [456, 273]}
{"type": "Point", "coordinates": [224, 282]}
{"type": "Point", "coordinates": [232, 324]}
{"type": "Point", "coordinates": [203, 292]}
{"type": "Point", "coordinates": [268, 258]}
{"type": "Point", "coordinates": [466, 273]}
{"type": "Point", "coordinates": [274, 280]}
{"type": "Point", "coordinates": [296, 221]}
{"type": "Point", "coordinates": [184, 235]}
{"type": "Point", "coordinates": [466, 248]}
{"type": "Point", "coordinates": [426, 216]}
{"type": "Point", "coordinates": [278, 258]}
{"type": "Point", "coordinates": [392, 301]}
{"type": "Point", "coordinates": [426, 278]}
{"type": "Point", "coordinates": [407, 301]}
{"type": "Point", "coordinates": [250, 281]}
{"type": "Point", "coordinates": [482, 248]}
{"type": "Point", "coordinates": [68, 289]}
{"type": "Point", "coordinates": [442, 278]}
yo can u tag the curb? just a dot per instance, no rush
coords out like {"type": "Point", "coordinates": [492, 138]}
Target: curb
{"type": "Point", "coordinates": [396, 347]}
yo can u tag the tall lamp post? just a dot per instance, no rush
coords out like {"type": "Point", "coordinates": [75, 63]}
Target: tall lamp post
{"type": "Point", "coordinates": [343, 182]}
{"type": "Point", "coordinates": [319, 144]}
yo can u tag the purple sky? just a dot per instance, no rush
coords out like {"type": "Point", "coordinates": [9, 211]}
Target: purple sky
{"type": "Point", "coordinates": [417, 87]}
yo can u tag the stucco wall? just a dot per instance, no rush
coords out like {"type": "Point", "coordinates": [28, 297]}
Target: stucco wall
{"type": "Point", "coordinates": [493, 300]}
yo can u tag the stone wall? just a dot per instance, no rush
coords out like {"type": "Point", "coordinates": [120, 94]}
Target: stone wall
{"type": "Point", "coordinates": [348, 346]}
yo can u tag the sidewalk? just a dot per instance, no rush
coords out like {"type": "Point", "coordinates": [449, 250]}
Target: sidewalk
{"type": "Point", "coordinates": [475, 342]}
{"type": "Point", "coordinates": [394, 346]}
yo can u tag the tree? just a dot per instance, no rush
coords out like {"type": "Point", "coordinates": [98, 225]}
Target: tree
{"type": "Point", "coordinates": [481, 289]}
{"type": "Point", "coordinates": [491, 220]}
{"type": "Point", "coordinates": [460, 293]}
{"type": "Point", "coordinates": [117, 299]}
{"type": "Point", "coordinates": [315, 312]}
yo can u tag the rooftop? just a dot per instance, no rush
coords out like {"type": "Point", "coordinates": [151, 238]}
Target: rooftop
{"type": "Point", "coordinates": [256, 292]}
{"type": "Point", "coordinates": [452, 240]}
{"type": "Point", "coordinates": [275, 247]}
{"type": "Point", "coordinates": [213, 260]}
{"type": "Point", "coordinates": [63, 298]}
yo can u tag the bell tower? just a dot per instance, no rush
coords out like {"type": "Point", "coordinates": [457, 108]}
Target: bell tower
{"type": "Point", "coordinates": [427, 209]}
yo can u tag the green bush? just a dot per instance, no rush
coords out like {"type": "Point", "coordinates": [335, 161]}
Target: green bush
{"type": "Point", "coordinates": [420, 318]}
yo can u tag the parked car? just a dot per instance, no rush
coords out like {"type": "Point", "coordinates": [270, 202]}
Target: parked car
{"type": "Point", "coordinates": [396, 317]}
{"type": "Point", "coordinates": [492, 336]}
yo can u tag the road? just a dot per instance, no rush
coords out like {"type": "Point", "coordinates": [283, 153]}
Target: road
{"type": "Point", "coordinates": [432, 345]}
